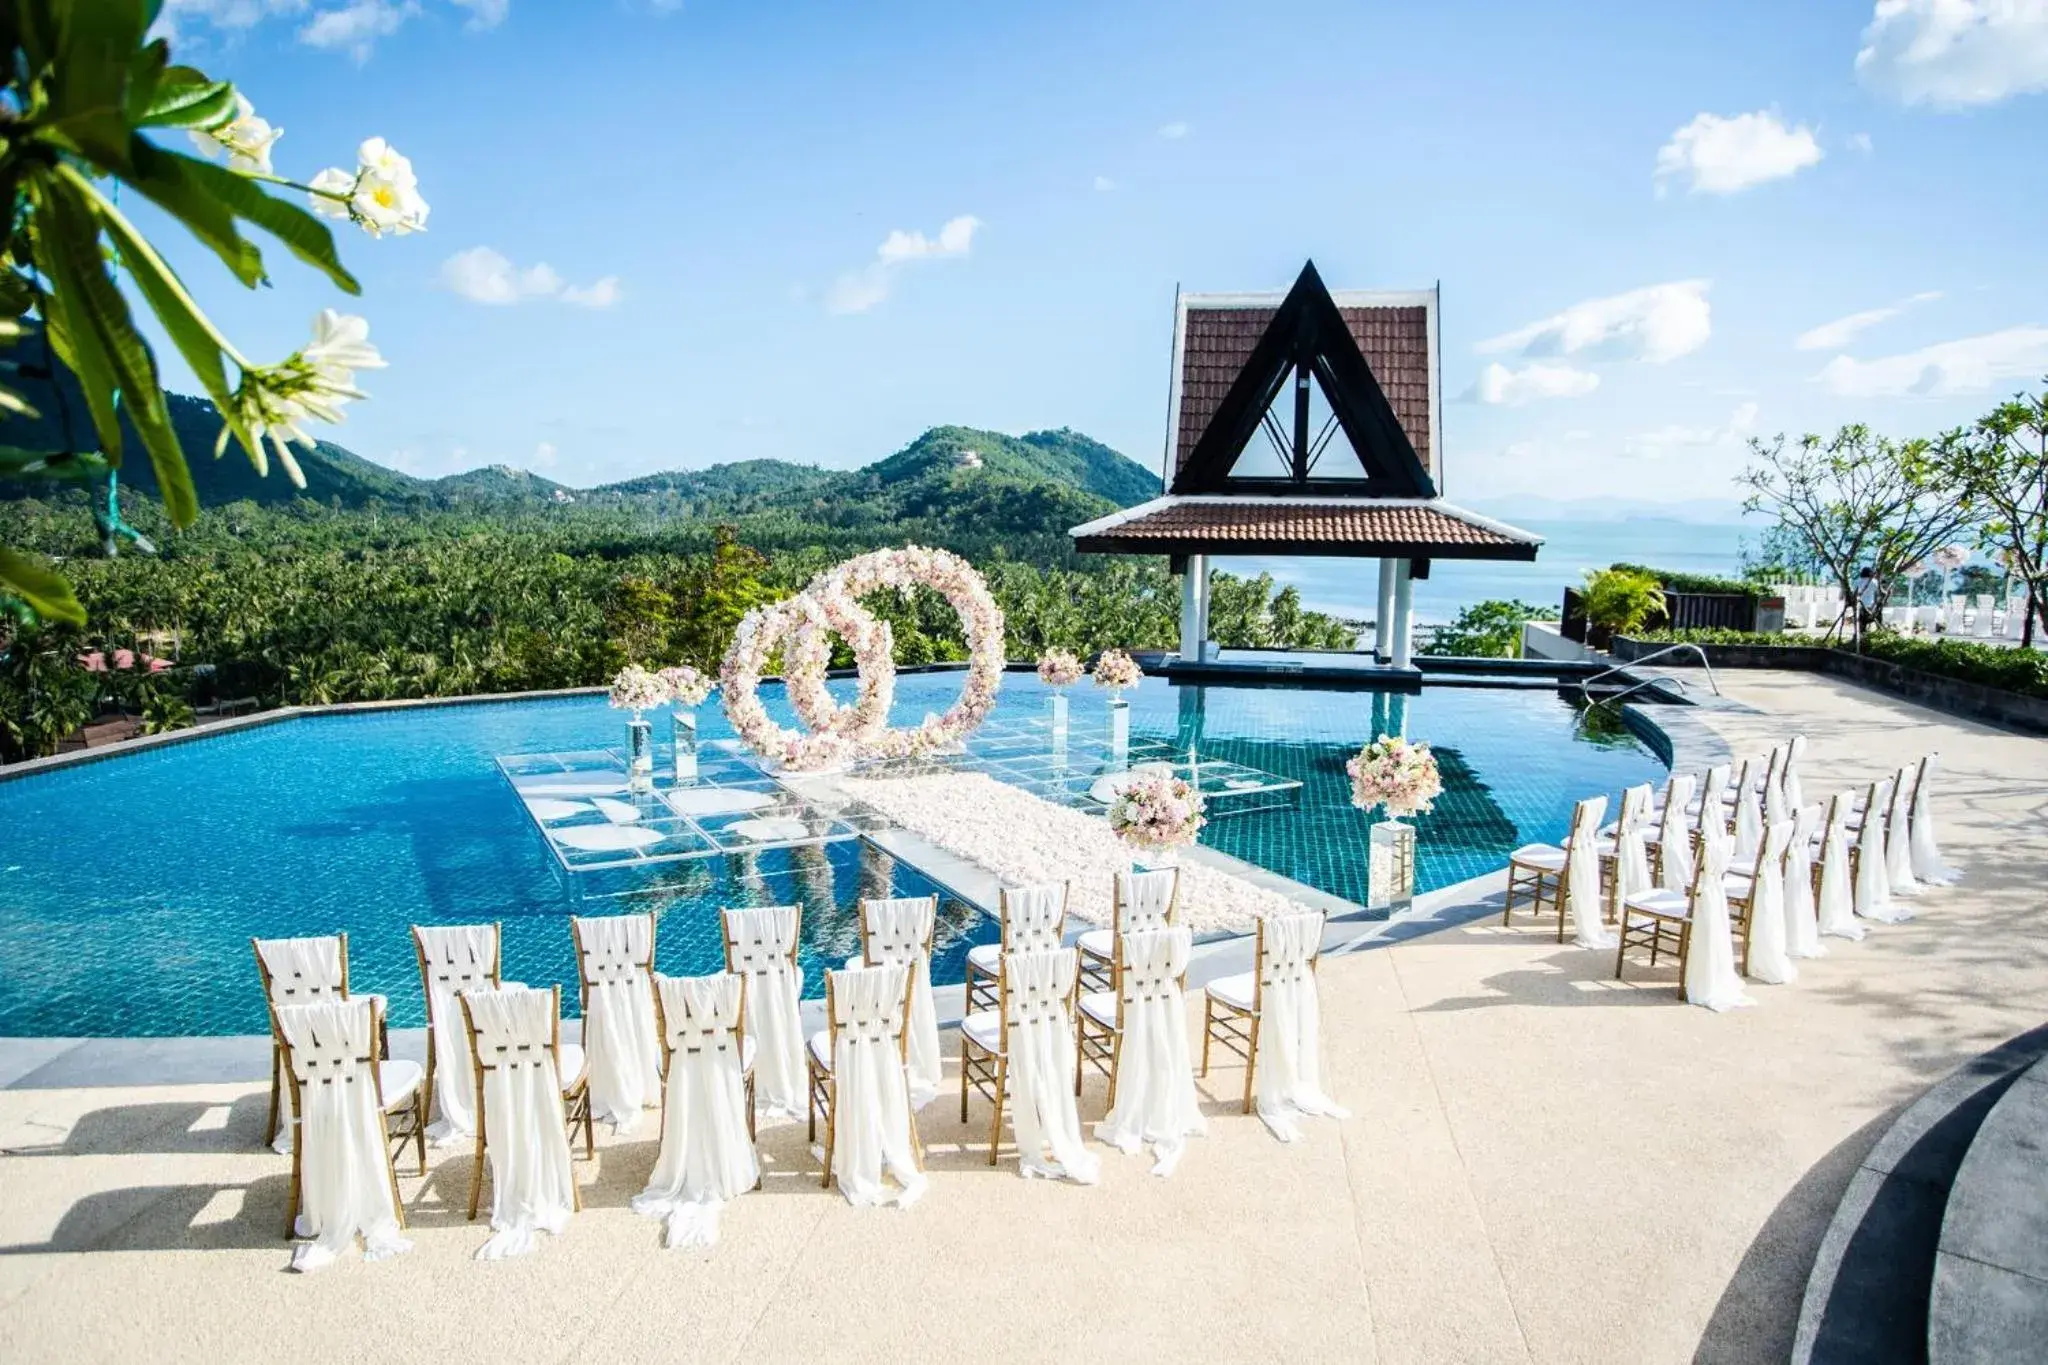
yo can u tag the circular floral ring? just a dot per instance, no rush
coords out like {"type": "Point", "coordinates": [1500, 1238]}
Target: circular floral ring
{"type": "Point", "coordinates": [804, 622]}
{"type": "Point", "coordinates": [874, 660]}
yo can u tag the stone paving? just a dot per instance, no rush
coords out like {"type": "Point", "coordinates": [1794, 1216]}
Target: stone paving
{"type": "Point", "coordinates": [1542, 1164]}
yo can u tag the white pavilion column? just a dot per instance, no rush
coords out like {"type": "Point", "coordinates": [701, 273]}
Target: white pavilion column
{"type": "Point", "coordinates": [1383, 618]}
{"type": "Point", "coordinates": [1194, 608]}
{"type": "Point", "coordinates": [1404, 614]}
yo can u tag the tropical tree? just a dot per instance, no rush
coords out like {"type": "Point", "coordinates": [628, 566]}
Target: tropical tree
{"type": "Point", "coordinates": [2000, 464]}
{"type": "Point", "coordinates": [1857, 501]}
{"type": "Point", "coordinates": [87, 92]}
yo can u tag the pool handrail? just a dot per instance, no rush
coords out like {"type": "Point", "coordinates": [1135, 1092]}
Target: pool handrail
{"type": "Point", "coordinates": [1586, 684]}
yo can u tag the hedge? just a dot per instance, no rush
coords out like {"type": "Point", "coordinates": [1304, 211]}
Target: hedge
{"type": "Point", "coordinates": [1673, 581]}
{"type": "Point", "coordinates": [2024, 671]}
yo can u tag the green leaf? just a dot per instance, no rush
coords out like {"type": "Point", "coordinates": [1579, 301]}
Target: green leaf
{"type": "Point", "coordinates": [78, 346]}
{"type": "Point", "coordinates": [186, 97]}
{"type": "Point", "coordinates": [96, 44]}
{"type": "Point", "coordinates": [302, 233]}
{"type": "Point", "coordinates": [14, 404]}
{"type": "Point", "coordinates": [16, 297]}
{"type": "Point", "coordinates": [42, 587]}
{"type": "Point", "coordinates": [166, 180]}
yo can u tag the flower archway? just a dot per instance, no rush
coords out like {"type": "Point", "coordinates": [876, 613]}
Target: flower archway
{"type": "Point", "coordinates": [830, 605]}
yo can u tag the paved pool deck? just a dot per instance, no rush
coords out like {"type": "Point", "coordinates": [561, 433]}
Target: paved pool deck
{"type": "Point", "coordinates": [1541, 1165]}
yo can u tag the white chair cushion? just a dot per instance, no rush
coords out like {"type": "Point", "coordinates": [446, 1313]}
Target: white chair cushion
{"type": "Point", "coordinates": [1101, 1007]}
{"type": "Point", "coordinates": [1549, 857]}
{"type": "Point", "coordinates": [1097, 943]}
{"type": "Point", "coordinates": [1660, 901]}
{"type": "Point", "coordinates": [985, 1027]}
{"type": "Point", "coordinates": [1233, 990]}
{"type": "Point", "coordinates": [570, 1061]}
{"type": "Point", "coordinates": [987, 957]}
{"type": "Point", "coordinates": [821, 1048]}
{"type": "Point", "coordinates": [399, 1079]}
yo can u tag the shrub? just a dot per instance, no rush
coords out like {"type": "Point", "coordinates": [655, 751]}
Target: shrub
{"type": "Point", "coordinates": [1719, 635]}
{"type": "Point", "coordinates": [2015, 670]}
{"type": "Point", "coordinates": [1621, 600]}
{"type": "Point", "coordinates": [1486, 630]}
{"type": "Point", "coordinates": [1673, 581]}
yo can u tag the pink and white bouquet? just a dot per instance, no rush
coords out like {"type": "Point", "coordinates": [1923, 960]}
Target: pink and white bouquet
{"type": "Point", "coordinates": [686, 686]}
{"type": "Point", "coordinates": [1396, 774]}
{"type": "Point", "coordinates": [636, 690]}
{"type": "Point", "coordinates": [1157, 812]}
{"type": "Point", "coordinates": [1059, 668]}
{"type": "Point", "coordinates": [1116, 670]}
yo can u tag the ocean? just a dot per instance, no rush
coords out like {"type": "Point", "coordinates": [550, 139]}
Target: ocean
{"type": "Point", "coordinates": [1349, 587]}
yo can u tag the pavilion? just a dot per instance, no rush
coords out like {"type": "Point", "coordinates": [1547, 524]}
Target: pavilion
{"type": "Point", "coordinates": [1348, 465]}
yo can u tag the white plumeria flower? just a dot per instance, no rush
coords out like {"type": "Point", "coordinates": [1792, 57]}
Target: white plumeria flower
{"type": "Point", "coordinates": [341, 345]}
{"type": "Point", "coordinates": [332, 190]}
{"type": "Point", "coordinates": [245, 139]}
{"type": "Point", "coordinates": [379, 158]}
{"type": "Point", "coordinates": [384, 205]}
{"type": "Point", "coordinates": [314, 382]}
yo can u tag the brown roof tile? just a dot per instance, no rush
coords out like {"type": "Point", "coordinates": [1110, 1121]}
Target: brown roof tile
{"type": "Point", "coordinates": [1199, 526]}
{"type": "Point", "coordinates": [1217, 340]}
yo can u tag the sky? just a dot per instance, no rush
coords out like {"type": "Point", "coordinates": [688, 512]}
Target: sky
{"type": "Point", "coordinates": [666, 235]}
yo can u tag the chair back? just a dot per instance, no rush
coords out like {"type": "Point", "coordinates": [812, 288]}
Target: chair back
{"type": "Point", "coordinates": [869, 1006]}
{"type": "Point", "coordinates": [1710, 792]}
{"type": "Point", "coordinates": [701, 1014]}
{"type": "Point", "coordinates": [513, 1027]}
{"type": "Point", "coordinates": [1795, 751]}
{"type": "Point", "coordinates": [1288, 947]}
{"type": "Point", "coordinates": [1804, 822]}
{"type": "Point", "coordinates": [1033, 916]}
{"type": "Point", "coordinates": [1777, 839]}
{"type": "Point", "coordinates": [1635, 808]}
{"type": "Point", "coordinates": [300, 971]}
{"type": "Point", "coordinates": [1745, 777]}
{"type": "Point", "coordinates": [897, 931]}
{"type": "Point", "coordinates": [762, 941]}
{"type": "Point", "coordinates": [1039, 985]}
{"type": "Point", "coordinates": [1902, 795]}
{"type": "Point", "coordinates": [331, 1042]}
{"type": "Point", "coordinates": [1151, 961]}
{"type": "Point", "coordinates": [1581, 844]}
{"type": "Point", "coordinates": [455, 958]}
{"type": "Point", "coordinates": [613, 949]}
{"type": "Point", "coordinates": [1677, 795]}
{"type": "Point", "coordinates": [1147, 900]}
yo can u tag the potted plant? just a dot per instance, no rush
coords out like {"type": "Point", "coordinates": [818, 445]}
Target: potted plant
{"type": "Point", "coordinates": [1619, 602]}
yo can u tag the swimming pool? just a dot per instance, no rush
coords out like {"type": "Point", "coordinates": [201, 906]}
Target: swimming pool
{"type": "Point", "coordinates": [130, 887]}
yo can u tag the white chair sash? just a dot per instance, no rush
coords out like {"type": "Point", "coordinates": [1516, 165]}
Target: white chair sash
{"type": "Point", "coordinates": [1039, 1064]}
{"type": "Point", "coordinates": [1033, 917]}
{"type": "Point", "coordinates": [870, 1098]}
{"type": "Point", "coordinates": [1898, 855]}
{"type": "Point", "coordinates": [1710, 794]}
{"type": "Point", "coordinates": [619, 1033]}
{"type": "Point", "coordinates": [1837, 908]}
{"type": "Point", "coordinates": [1155, 1083]}
{"type": "Point", "coordinates": [1674, 847]}
{"type": "Point", "coordinates": [532, 1187]}
{"type": "Point", "coordinates": [1802, 922]}
{"type": "Point", "coordinates": [1710, 975]}
{"type": "Point", "coordinates": [1749, 821]}
{"type": "Point", "coordinates": [1146, 897]}
{"type": "Point", "coordinates": [302, 970]}
{"type": "Point", "coordinates": [899, 933]}
{"type": "Point", "coordinates": [344, 1169]}
{"type": "Point", "coordinates": [1873, 883]}
{"type": "Point", "coordinates": [1926, 855]}
{"type": "Point", "coordinates": [761, 942]}
{"type": "Point", "coordinates": [1289, 1083]}
{"type": "Point", "coordinates": [1582, 875]}
{"type": "Point", "coordinates": [1770, 957]}
{"type": "Point", "coordinates": [1795, 751]}
{"type": "Point", "coordinates": [707, 1156]}
{"type": "Point", "coordinates": [1631, 853]}
{"type": "Point", "coordinates": [459, 957]}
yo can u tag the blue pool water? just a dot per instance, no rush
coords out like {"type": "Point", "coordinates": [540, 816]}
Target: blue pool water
{"type": "Point", "coordinates": [130, 887]}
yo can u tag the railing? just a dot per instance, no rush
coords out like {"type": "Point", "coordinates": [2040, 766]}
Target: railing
{"type": "Point", "coordinates": [1586, 686]}
{"type": "Point", "coordinates": [1631, 690]}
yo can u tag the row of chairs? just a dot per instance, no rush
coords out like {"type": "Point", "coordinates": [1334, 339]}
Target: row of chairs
{"type": "Point", "coordinates": [862, 1075]}
{"type": "Point", "coordinates": [1748, 854]}
{"type": "Point", "coordinates": [1959, 616]}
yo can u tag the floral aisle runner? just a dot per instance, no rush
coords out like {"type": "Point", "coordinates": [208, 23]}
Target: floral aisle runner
{"type": "Point", "coordinates": [1023, 838]}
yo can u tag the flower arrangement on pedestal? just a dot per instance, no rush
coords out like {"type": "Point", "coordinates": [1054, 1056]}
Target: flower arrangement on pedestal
{"type": "Point", "coordinates": [1392, 773]}
{"type": "Point", "coordinates": [686, 686]}
{"type": "Point", "coordinates": [1157, 812]}
{"type": "Point", "coordinates": [1059, 668]}
{"type": "Point", "coordinates": [830, 605]}
{"type": "Point", "coordinates": [635, 689]}
{"type": "Point", "coordinates": [1117, 670]}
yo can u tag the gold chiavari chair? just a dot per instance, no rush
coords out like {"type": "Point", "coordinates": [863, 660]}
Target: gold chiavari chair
{"type": "Point", "coordinates": [1099, 1016]}
{"type": "Point", "coordinates": [1661, 919]}
{"type": "Point", "coordinates": [1233, 1007]}
{"type": "Point", "coordinates": [569, 1070]}
{"type": "Point", "coordinates": [681, 1031]}
{"type": "Point", "coordinates": [1531, 866]}
{"type": "Point", "coordinates": [401, 1094]}
{"type": "Point", "coordinates": [891, 1030]}
{"type": "Point", "coordinates": [1635, 810]}
{"type": "Point", "coordinates": [298, 971]}
{"type": "Point", "coordinates": [1136, 904]}
{"type": "Point", "coordinates": [1024, 930]}
{"type": "Point", "coordinates": [454, 959]}
{"type": "Point", "coordinates": [985, 1034]}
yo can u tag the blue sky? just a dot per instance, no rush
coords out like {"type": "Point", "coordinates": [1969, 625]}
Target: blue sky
{"type": "Point", "coordinates": [826, 227]}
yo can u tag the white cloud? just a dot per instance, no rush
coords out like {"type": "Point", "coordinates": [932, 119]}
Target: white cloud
{"type": "Point", "coordinates": [1658, 323]}
{"type": "Point", "coordinates": [484, 14]}
{"type": "Point", "coordinates": [356, 27]}
{"type": "Point", "coordinates": [1833, 336]}
{"type": "Point", "coordinates": [1104, 184]}
{"type": "Point", "coordinates": [1970, 365]}
{"type": "Point", "coordinates": [1665, 440]}
{"type": "Point", "coordinates": [1173, 131]}
{"type": "Point", "coordinates": [1497, 384]}
{"type": "Point", "coordinates": [1860, 142]}
{"type": "Point", "coordinates": [1723, 155]}
{"type": "Point", "coordinates": [859, 290]}
{"type": "Point", "coordinates": [483, 275]}
{"type": "Point", "coordinates": [1952, 53]}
